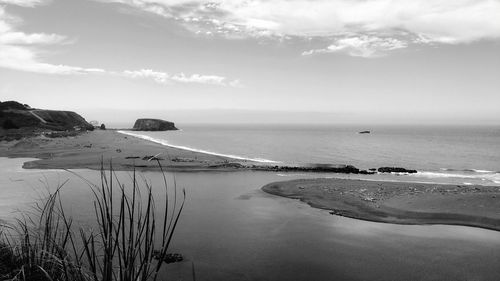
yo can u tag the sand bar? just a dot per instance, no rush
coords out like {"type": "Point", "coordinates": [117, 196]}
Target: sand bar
{"type": "Point", "coordinates": [126, 152]}
{"type": "Point", "coordinates": [398, 202]}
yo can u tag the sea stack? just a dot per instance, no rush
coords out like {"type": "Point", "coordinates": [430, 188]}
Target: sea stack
{"type": "Point", "coordinates": [147, 124]}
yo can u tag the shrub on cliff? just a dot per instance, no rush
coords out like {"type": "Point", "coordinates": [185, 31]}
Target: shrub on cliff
{"type": "Point", "coordinates": [9, 124]}
{"type": "Point", "coordinates": [12, 105]}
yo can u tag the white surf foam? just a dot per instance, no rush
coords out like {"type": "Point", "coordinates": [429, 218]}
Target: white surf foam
{"type": "Point", "coordinates": [467, 170]}
{"type": "Point", "coordinates": [165, 143]}
{"type": "Point", "coordinates": [471, 174]}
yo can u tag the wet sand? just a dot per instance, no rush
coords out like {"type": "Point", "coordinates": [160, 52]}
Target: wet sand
{"type": "Point", "coordinates": [126, 152]}
{"type": "Point", "coordinates": [398, 202]}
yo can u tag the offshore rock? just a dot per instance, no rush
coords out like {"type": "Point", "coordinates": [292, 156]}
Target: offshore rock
{"type": "Point", "coordinates": [147, 124]}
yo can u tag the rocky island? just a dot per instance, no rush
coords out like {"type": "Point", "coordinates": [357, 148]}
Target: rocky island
{"type": "Point", "coordinates": [148, 124]}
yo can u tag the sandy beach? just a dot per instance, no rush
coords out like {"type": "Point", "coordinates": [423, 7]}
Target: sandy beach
{"type": "Point", "coordinates": [126, 152]}
{"type": "Point", "coordinates": [398, 202]}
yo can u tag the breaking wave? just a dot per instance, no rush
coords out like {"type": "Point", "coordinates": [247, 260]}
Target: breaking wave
{"type": "Point", "coordinates": [165, 143]}
{"type": "Point", "coordinates": [482, 175]}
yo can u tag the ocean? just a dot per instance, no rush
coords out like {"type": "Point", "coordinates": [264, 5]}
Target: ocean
{"type": "Point", "coordinates": [442, 154]}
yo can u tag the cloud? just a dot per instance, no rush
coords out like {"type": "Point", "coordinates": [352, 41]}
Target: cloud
{"type": "Point", "coordinates": [197, 78]}
{"type": "Point", "coordinates": [165, 78]}
{"type": "Point", "coordinates": [21, 51]}
{"type": "Point", "coordinates": [361, 46]}
{"type": "Point", "coordinates": [436, 21]}
{"type": "Point", "coordinates": [158, 77]}
{"type": "Point", "coordinates": [21, 38]}
{"type": "Point", "coordinates": [25, 59]}
{"type": "Point", "coordinates": [23, 3]}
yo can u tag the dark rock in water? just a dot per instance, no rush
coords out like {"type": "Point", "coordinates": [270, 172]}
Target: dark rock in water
{"type": "Point", "coordinates": [324, 168]}
{"type": "Point", "coordinates": [153, 125]}
{"type": "Point", "coordinates": [395, 170]}
{"type": "Point", "coordinates": [168, 258]}
{"type": "Point", "coordinates": [364, 132]}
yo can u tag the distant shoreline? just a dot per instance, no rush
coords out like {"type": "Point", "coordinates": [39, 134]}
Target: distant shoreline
{"type": "Point", "coordinates": [398, 202]}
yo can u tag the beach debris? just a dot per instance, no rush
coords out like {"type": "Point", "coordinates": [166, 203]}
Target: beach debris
{"type": "Point", "coordinates": [180, 159]}
{"type": "Point", "coordinates": [118, 150]}
{"type": "Point", "coordinates": [132, 157]}
{"type": "Point", "coordinates": [337, 212]}
{"type": "Point", "coordinates": [227, 165]}
{"type": "Point", "coordinates": [152, 157]}
{"type": "Point", "coordinates": [364, 132]}
{"type": "Point", "coordinates": [168, 258]}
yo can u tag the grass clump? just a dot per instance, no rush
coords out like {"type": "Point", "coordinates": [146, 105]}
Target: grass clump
{"type": "Point", "coordinates": [124, 245]}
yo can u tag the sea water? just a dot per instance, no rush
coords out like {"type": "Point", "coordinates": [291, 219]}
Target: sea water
{"type": "Point", "coordinates": [444, 154]}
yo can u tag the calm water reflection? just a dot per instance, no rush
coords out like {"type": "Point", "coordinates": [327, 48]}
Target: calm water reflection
{"type": "Point", "coordinates": [231, 230]}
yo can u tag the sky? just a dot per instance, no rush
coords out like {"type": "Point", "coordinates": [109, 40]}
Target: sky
{"type": "Point", "coordinates": [255, 61]}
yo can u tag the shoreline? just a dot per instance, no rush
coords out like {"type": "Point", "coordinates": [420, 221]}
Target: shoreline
{"type": "Point", "coordinates": [397, 202]}
{"type": "Point", "coordinates": [85, 151]}
{"type": "Point", "coordinates": [234, 157]}
{"type": "Point", "coordinates": [128, 151]}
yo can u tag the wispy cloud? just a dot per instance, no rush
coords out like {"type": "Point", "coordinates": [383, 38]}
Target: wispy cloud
{"type": "Point", "coordinates": [21, 38]}
{"type": "Point", "coordinates": [165, 78]}
{"type": "Point", "coordinates": [21, 51]}
{"type": "Point", "coordinates": [24, 3]}
{"type": "Point", "coordinates": [361, 46]}
{"type": "Point", "coordinates": [436, 21]}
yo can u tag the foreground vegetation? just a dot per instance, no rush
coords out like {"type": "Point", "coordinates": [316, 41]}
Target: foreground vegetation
{"type": "Point", "coordinates": [45, 245]}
